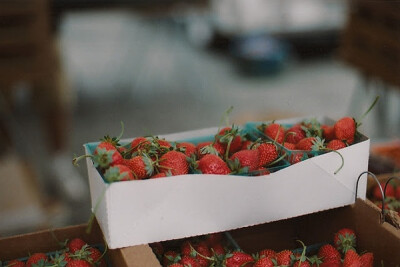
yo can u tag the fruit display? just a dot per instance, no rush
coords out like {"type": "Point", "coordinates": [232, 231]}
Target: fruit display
{"type": "Point", "coordinates": [215, 250]}
{"type": "Point", "coordinates": [75, 253]}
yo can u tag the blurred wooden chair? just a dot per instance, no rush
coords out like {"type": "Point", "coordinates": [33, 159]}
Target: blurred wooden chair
{"type": "Point", "coordinates": [28, 54]}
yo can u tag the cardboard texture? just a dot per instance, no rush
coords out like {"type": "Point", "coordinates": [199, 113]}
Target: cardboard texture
{"type": "Point", "coordinates": [146, 211]}
{"type": "Point", "coordinates": [364, 217]}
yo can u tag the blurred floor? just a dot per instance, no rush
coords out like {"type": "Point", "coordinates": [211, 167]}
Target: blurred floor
{"type": "Point", "coordinates": [147, 73]}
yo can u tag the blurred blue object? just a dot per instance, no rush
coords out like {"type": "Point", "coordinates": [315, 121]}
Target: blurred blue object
{"type": "Point", "coordinates": [259, 54]}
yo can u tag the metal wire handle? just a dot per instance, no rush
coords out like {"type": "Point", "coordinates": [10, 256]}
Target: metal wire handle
{"type": "Point", "coordinates": [387, 182]}
{"type": "Point", "coordinates": [380, 188]}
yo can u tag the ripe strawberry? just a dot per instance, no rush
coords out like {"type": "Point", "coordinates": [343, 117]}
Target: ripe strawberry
{"type": "Point", "coordinates": [118, 173]}
{"type": "Point", "coordinates": [187, 248]}
{"type": "Point", "coordinates": [367, 259]}
{"type": "Point", "coordinates": [203, 254]}
{"type": "Point", "coordinates": [159, 175]}
{"type": "Point", "coordinates": [238, 259]}
{"type": "Point", "coordinates": [212, 164]}
{"type": "Point", "coordinates": [289, 146]}
{"type": "Point", "coordinates": [284, 257]}
{"type": "Point", "coordinates": [246, 144]}
{"type": "Point", "coordinates": [344, 240]}
{"type": "Point", "coordinates": [75, 244]}
{"type": "Point", "coordinates": [306, 144]}
{"type": "Point", "coordinates": [269, 253]}
{"type": "Point", "coordinates": [15, 263]}
{"type": "Point", "coordinates": [296, 157]}
{"type": "Point", "coordinates": [268, 152]}
{"type": "Point", "coordinates": [247, 159]}
{"type": "Point", "coordinates": [275, 131]}
{"type": "Point", "coordinates": [96, 257]}
{"type": "Point", "coordinates": [230, 136]}
{"type": "Point", "coordinates": [174, 162]}
{"type": "Point", "coordinates": [170, 257]}
{"type": "Point", "coordinates": [210, 147]}
{"type": "Point", "coordinates": [264, 262]}
{"type": "Point", "coordinates": [139, 144]}
{"type": "Point", "coordinates": [335, 144]}
{"type": "Point", "coordinates": [328, 252]}
{"type": "Point", "coordinates": [218, 249]}
{"type": "Point", "coordinates": [177, 264]}
{"type": "Point", "coordinates": [78, 263]}
{"type": "Point", "coordinates": [36, 259]}
{"type": "Point", "coordinates": [294, 134]}
{"type": "Point", "coordinates": [142, 166]}
{"type": "Point", "coordinates": [376, 192]}
{"type": "Point", "coordinates": [188, 148]}
{"type": "Point", "coordinates": [331, 263]}
{"type": "Point", "coordinates": [352, 259]}
{"type": "Point", "coordinates": [328, 132]}
{"type": "Point", "coordinates": [345, 129]}
{"type": "Point", "coordinates": [189, 261]}
{"type": "Point", "coordinates": [300, 263]}
{"type": "Point", "coordinates": [213, 238]}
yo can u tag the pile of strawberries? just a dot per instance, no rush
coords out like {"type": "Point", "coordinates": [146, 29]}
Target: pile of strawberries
{"type": "Point", "coordinates": [311, 135]}
{"type": "Point", "coordinates": [145, 157]}
{"type": "Point", "coordinates": [76, 253]}
{"type": "Point", "coordinates": [209, 250]}
{"type": "Point", "coordinates": [392, 196]}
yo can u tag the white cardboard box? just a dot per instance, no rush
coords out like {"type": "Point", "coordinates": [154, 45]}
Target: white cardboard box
{"type": "Point", "coordinates": [140, 212]}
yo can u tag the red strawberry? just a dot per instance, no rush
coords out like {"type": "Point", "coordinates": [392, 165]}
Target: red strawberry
{"type": "Point", "coordinates": [306, 144]}
{"type": "Point", "coordinates": [264, 262]}
{"type": "Point", "coordinates": [96, 257]}
{"type": "Point", "coordinates": [238, 259]}
{"type": "Point", "coordinates": [367, 259]}
{"type": "Point", "coordinates": [328, 132]}
{"type": "Point", "coordinates": [246, 144]}
{"type": "Point", "coordinates": [352, 259]}
{"type": "Point", "coordinates": [188, 148]}
{"type": "Point", "coordinates": [36, 258]}
{"type": "Point", "coordinates": [247, 158]}
{"type": "Point", "coordinates": [75, 244]}
{"type": "Point", "coordinates": [79, 263]}
{"type": "Point", "coordinates": [118, 173]}
{"type": "Point", "coordinates": [335, 144]}
{"type": "Point", "coordinates": [300, 263]}
{"type": "Point", "coordinates": [203, 254]}
{"type": "Point", "coordinates": [296, 157]}
{"type": "Point", "coordinates": [344, 240]}
{"type": "Point", "coordinates": [142, 166]}
{"type": "Point", "coordinates": [289, 146]}
{"type": "Point", "coordinates": [213, 238]}
{"type": "Point", "coordinates": [176, 265]}
{"type": "Point", "coordinates": [218, 249]}
{"type": "Point", "coordinates": [284, 257]}
{"type": "Point", "coordinates": [212, 164]}
{"type": "Point", "coordinates": [187, 248]}
{"type": "Point", "coordinates": [159, 175]}
{"type": "Point", "coordinates": [170, 257]}
{"type": "Point", "coordinates": [275, 131]}
{"type": "Point", "coordinates": [189, 261]}
{"type": "Point", "coordinates": [328, 252]}
{"type": "Point", "coordinates": [376, 192]}
{"type": "Point", "coordinates": [209, 147]}
{"type": "Point", "coordinates": [345, 129]}
{"type": "Point", "coordinates": [15, 263]}
{"type": "Point", "coordinates": [140, 144]}
{"type": "Point", "coordinates": [105, 155]}
{"type": "Point", "coordinates": [331, 263]}
{"type": "Point", "coordinates": [269, 253]}
{"type": "Point", "coordinates": [261, 171]}
{"type": "Point", "coordinates": [268, 152]}
{"type": "Point", "coordinates": [230, 135]}
{"type": "Point", "coordinates": [174, 162]}
{"type": "Point", "coordinates": [294, 134]}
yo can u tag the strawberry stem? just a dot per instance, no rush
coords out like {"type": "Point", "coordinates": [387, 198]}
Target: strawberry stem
{"type": "Point", "coordinates": [368, 110]}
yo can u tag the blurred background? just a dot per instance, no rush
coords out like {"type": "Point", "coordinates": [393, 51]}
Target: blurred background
{"type": "Point", "coordinates": [72, 70]}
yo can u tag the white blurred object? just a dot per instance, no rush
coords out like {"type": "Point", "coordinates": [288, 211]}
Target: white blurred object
{"type": "Point", "coordinates": [235, 17]}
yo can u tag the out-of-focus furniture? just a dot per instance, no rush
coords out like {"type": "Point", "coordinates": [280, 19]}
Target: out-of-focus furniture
{"type": "Point", "coordinates": [28, 55]}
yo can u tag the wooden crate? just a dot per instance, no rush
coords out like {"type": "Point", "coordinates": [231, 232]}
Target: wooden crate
{"type": "Point", "coordinates": [371, 39]}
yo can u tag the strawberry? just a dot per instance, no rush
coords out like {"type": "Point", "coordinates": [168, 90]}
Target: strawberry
{"type": "Point", "coordinates": [174, 162]}
{"type": "Point", "coordinates": [247, 159]}
{"type": "Point", "coordinates": [246, 144]}
{"type": "Point", "coordinates": [212, 164]}
{"type": "Point", "coordinates": [328, 252]}
{"type": "Point", "coordinates": [306, 144]}
{"type": "Point", "coordinates": [296, 157]}
{"type": "Point", "coordinates": [268, 152]}
{"type": "Point", "coordinates": [289, 146]}
{"type": "Point", "coordinates": [203, 254]}
{"type": "Point", "coordinates": [170, 257]}
{"type": "Point", "coordinates": [229, 136]}
{"type": "Point", "coordinates": [218, 249]}
{"type": "Point", "coordinates": [159, 175]}
{"type": "Point", "coordinates": [213, 238]}
{"type": "Point", "coordinates": [75, 245]}
{"type": "Point", "coordinates": [176, 265]}
{"type": "Point", "coordinates": [118, 173]}
{"type": "Point", "coordinates": [331, 263]}
{"type": "Point", "coordinates": [352, 259]}
{"type": "Point", "coordinates": [294, 134]}
{"type": "Point", "coordinates": [335, 144]}
{"type": "Point", "coordinates": [139, 144]}
{"type": "Point", "coordinates": [96, 257]}
{"type": "Point", "coordinates": [345, 129]}
{"type": "Point", "coordinates": [78, 263]}
{"type": "Point", "coordinates": [275, 131]}
{"type": "Point", "coordinates": [264, 262]}
{"type": "Point", "coordinates": [141, 166]}
{"type": "Point", "coordinates": [300, 263]}
{"type": "Point", "coordinates": [188, 148]}
{"type": "Point", "coordinates": [376, 192]}
{"type": "Point", "coordinates": [210, 147]}
{"type": "Point", "coordinates": [187, 248]}
{"type": "Point", "coordinates": [15, 263]}
{"type": "Point", "coordinates": [284, 257]}
{"type": "Point", "coordinates": [189, 261]}
{"type": "Point", "coordinates": [344, 240]}
{"type": "Point", "coordinates": [328, 132]}
{"type": "Point", "coordinates": [367, 259]}
{"type": "Point", "coordinates": [269, 253]}
{"type": "Point", "coordinates": [238, 259]}
{"type": "Point", "coordinates": [37, 259]}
